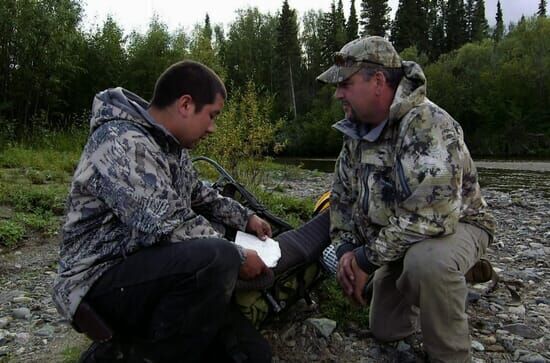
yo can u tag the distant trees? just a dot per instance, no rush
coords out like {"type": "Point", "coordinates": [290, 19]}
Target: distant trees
{"type": "Point", "coordinates": [497, 88]}
{"type": "Point", "coordinates": [498, 33]}
{"type": "Point", "coordinates": [375, 17]}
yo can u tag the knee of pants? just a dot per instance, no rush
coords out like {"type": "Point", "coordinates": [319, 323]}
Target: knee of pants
{"type": "Point", "coordinates": [224, 261]}
{"type": "Point", "coordinates": [420, 267]}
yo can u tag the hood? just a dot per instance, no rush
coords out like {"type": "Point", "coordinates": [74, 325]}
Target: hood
{"type": "Point", "coordinates": [410, 93]}
{"type": "Point", "coordinates": [121, 104]}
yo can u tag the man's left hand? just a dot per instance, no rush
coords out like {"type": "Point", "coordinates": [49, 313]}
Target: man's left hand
{"type": "Point", "coordinates": [259, 227]}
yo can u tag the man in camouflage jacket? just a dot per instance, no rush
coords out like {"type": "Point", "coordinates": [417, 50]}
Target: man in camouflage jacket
{"type": "Point", "coordinates": [138, 244]}
{"type": "Point", "coordinates": [406, 203]}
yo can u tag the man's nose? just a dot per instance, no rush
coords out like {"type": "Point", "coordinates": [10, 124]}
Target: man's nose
{"type": "Point", "coordinates": [212, 128]}
{"type": "Point", "coordinates": [338, 94]}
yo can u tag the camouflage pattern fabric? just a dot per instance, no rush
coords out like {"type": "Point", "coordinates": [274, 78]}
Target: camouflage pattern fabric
{"type": "Point", "coordinates": [134, 187]}
{"type": "Point", "coordinates": [416, 180]}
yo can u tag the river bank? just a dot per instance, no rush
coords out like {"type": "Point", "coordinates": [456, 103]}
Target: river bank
{"type": "Point", "coordinates": [503, 328]}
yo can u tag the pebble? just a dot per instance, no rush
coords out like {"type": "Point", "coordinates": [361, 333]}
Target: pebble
{"type": "Point", "coordinates": [22, 338]}
{"type": "Point", "coordinates": [22, 300]}
{"type": "Point", "coordinates": [45, 331]}
{"type": "Point", "coordinates": [522, 330]}
{"type": "Point", "coordinates": [477, 346]}
{"type": "Point", "coordinates": [323, 325]}
{"type": "Point", "coordinates": [4, 322]}
{"type": "Point", "coordinates": [517, 310]}
{"type": "Point", "coordinates": [21, 313]}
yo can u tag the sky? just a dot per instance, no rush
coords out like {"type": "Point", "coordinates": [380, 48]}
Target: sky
{"type": "Point", "coordinates": [135, 14]}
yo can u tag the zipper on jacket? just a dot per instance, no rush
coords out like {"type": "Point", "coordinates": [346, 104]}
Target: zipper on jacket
{"type": "Point", "coordinates": [403, 180]}
{"type": "Point", "coordinates": [366, 193]}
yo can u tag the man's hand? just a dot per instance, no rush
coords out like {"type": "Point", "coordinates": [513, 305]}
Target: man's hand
{"type": "Point", "coordinates": [361, 278]}
{"type": "Point", "coordinates": [253, 265]}
{"type": "Point", "coordinates": [259, 227]}
{"type": "Point", "coordinates": [351, 278]}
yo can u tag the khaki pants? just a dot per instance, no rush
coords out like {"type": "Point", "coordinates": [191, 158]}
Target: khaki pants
{"type": "Point", "coordinates": [429, 286]}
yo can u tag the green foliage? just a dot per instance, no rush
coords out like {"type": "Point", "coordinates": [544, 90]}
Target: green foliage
{"type": "Point", "coordinates": [244, 130]}
{"type": "Point", "coordinates": [375, 19]}
{"type": "Point", "coordinates": [334, 305]}
{"type": "Point", "coordinates": [498, 33]}
{"type": "Point", "coordinates": [499, 92]}
{"type": "Point", "coordinates": [412, 54]}
{"type": "Point", "coordinates": [352, 25]}
{"type": "Point", "coordinates": [10, 233]}
{"type": "Point", "coordinates": [410, 25]}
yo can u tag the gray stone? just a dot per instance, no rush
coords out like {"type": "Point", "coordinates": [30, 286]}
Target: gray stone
{"type": "Point", "coordinates": [523, 331]}
{"type": "Point", "coordinates": [517, 310]}
{"type": "Point", "coordinates": [21, 313]}
{"type": "Point", "coordinates": [323, 325]}
{"type": "Point", "coordinates": [477, 346]}
{"type": "Point", "coordinates": [22, 338]}
{"type": "Point", "coordinates": [45, 331]}
{"type": "Point", "coordinates": [4, 322]}
{"type": "Point", "coordinates": [533, 358]}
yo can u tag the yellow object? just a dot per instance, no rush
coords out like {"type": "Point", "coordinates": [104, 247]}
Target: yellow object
{"type": "Point", "coordinates": [322, 203]}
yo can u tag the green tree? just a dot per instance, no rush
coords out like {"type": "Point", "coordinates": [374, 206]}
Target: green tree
{"type": "Point", "coordinates": [333, 35]}
{"type": "Point", "coordinates": [374, 17]}
{"type": "Point", "coordinates": [435, 25]}
{"type": "Point", "coordinates": [352, 25]}
{"type": "Point", "coordinates": [410, 25]}
{"type": "Point", "coordinates": [455, 25]}
{"type": "Point", "coordinates": [479, 28]}
{"type": "Point", "coordinates": [248, 52]}
{"type": "Point", "coordinates": [542, 9]}
{"type": "Point", "coordinates": [288, 54]}
{"type": "Point", "coordinates": [244, 129]}
{"type": "Point", "coordinates": [201, 48]}
{"type": "Point", "coordinates": [498, 33]}
{"type": "Point", "coordinates": [148, 56]}
{"type": "Point", "coordinates": [312, 43]}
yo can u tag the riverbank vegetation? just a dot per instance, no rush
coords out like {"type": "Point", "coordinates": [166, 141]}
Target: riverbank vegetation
{"type": "Point", "coordinates": [494, 81]}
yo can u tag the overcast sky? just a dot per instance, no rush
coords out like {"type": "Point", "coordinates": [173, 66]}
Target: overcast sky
{"type": "Point", "coordinates": [135, 14]}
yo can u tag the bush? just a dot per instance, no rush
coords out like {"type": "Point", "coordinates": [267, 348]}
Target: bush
{"type": "Point", "coordinates": [11, 233]}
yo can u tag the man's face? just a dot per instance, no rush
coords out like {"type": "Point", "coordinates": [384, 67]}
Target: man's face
{"type": "Point", "coordinates": [358, 98]}
{"type": "Point", "coordinates": [195, 126]}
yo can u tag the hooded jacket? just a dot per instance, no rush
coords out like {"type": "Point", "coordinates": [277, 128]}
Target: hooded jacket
{"type": "Point", "coordinates": [134, 187]}
{"type": "Point", "coordinates": [410, 179]}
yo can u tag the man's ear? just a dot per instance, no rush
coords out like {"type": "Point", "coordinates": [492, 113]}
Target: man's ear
{"type": "Point", "coordinates": [185, 105]}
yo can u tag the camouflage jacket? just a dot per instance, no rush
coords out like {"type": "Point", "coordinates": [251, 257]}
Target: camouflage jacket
{"type": "Point", "coordinates": [134, 187]}
{"type": "Point", "coordinates": [410, 179]}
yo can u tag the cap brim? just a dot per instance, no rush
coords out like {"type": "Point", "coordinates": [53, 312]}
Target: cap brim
{"type": "Point", "coordinates": [336, 74]}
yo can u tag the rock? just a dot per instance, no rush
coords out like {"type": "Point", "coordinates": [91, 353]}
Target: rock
{"type": "Point", "coordinates": [323, 325]}
{"type": "Point", "coordinates": [22, 299]}
{"type": "Point", "coordinates": [5, 321]}
{"type": "Point", "coordinates": [525, 356]}
{"type": "Point", "coordinates": [517, 310]}
{"type": "Point", "coordinates": [488, 340]}
{"type": "Point", "coordinates": [45, 331]}
{"type": "Point", "coordinates": [21, 313]}
{"type": "Point", "coordinates": [523, 331]}
{"type": "Point", "coordinates": [495, 348]}
{"type": "Point", "coordinates": [477, 346]}
{"type": "Point", "coordinates": [22, 338]}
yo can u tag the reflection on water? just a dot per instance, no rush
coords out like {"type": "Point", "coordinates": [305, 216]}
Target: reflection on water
{"type": "Point", "coordinates": [502, 176]}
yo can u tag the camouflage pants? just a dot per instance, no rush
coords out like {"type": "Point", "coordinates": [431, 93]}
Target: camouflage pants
{"type": "Point", "coordinates": [429, 287]}
{"type": "Point", "coordinates": [171, 303]}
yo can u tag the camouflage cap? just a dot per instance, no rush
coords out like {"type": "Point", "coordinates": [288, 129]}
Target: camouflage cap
{"type": "Point", "coordinates": [356, 54]}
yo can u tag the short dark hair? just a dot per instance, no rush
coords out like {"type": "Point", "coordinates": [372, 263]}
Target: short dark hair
{"type": "Point", "coordinates": [393, 75]}
{"type": "Point", "coordinates": [187, 78]}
